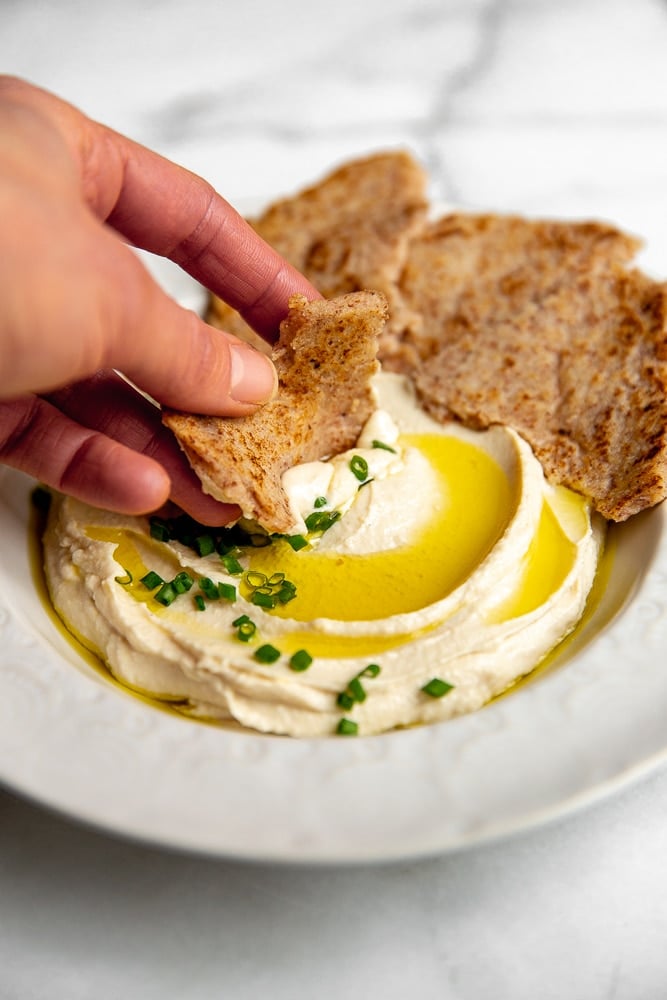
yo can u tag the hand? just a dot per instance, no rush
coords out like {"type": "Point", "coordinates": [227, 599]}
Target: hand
{"type": "Point", "coordinates": [77, 305]}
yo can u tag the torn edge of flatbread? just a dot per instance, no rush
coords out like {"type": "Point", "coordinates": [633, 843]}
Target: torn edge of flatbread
{"type": "Point", "coordinates": [540, 325]}
{"type": "Point", "coordinates": [325, 359]}
{"type": "Point", "coordinates": [347, 232]}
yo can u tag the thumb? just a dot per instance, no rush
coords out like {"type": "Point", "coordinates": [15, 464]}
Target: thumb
{"type": "Point", "coordinates": [169, 351]}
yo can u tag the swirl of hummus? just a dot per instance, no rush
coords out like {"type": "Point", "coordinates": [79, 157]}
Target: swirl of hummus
{"type": "Point", "coordinates": [434, 567]}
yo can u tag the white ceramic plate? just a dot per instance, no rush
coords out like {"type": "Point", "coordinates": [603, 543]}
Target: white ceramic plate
{"type": "Point", "coordinates": [594, 719]}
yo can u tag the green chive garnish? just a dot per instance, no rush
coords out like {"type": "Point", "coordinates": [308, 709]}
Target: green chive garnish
{"type": "Point", "coordinates": [209, 589]}
{"type": "Point", "coordinates": [437, 688]}
{"type": "Point", "coordinates": [301, 660]}
{"type": "Point", "coordinates": [200, 603]}
{"type": "Point", "coordinates": [320, 502]}
{"type": "Point", "coordinates": [359, 467]}
{"type": "Point", "coordinates": [204, 545]}
{"type": "Point", "coordinates": [245, 628]}
{"type": "Point", "coordinates": [321, 520]}
{"type": "Point", "coordinates": [227, 591]}
{"type": "Point", "coordinates": [241, 620]}
{"type": "Point", "coordinates": [287, 592]}
{"type": "Point", "coordinates": [267, 653]}
{"type": "Point", "coordinates": [345, 700]}
{"type": "Point", "coordinates": [356, 690]}
{"type": "Point", "coordinates": [266, 591]}
{"type": "Point", "coordinates": [263, 599]}
{"type": "Point", "coordinates": [231, 564]}
{"type": "Point", "coordinates": [152, 580]}
{"type": "Point", "coordinates": [126, 580]}
{"type": "Point", "coordinates": [295, 541]}
{"type": "Point", "coordinates": [346, 727]}
{"type": "Point", "coordinates": [227, 547]}
{"type": "Point", "coordinates": [182, 582]}
{"type": "Point", "coordinates": [160, 529]}
{"type": "Point", "coordinates": [166, 595]}
{"type": "Point", "coordinates": [385, 447]}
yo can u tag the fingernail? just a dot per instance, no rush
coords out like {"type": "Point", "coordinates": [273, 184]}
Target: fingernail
{"type": "Point", "coordinates": [253, 377]}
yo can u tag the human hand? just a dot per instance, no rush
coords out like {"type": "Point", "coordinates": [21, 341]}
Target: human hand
{"type": "Point", "coordinates": [77, 305]}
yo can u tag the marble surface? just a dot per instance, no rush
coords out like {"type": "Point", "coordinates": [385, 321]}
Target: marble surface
{"type": "Point", "coordinates": [548, 107]}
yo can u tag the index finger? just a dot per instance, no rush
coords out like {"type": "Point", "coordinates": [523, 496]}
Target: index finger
{"type": "Point", "coordinates": [168, 210]}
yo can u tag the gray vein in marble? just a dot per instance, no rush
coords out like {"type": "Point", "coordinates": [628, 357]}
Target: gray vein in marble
{"type": "Point", "coordinates": [353, 68]}
{"type": "Point", "coordinates": [468, 75]}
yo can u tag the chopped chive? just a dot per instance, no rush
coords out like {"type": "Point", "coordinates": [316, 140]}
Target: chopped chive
{"type": "Point", "coordinates": [182, 582]}
{"type": "Point", "coordinates": [346, 727]}
{"type": "Point", "coordinates": [319, 502]}
{"type": "Point", "coordinates": [296, 542]}
{"type": "Point", "coordinates": [160, 529]}
{"type": "Point", "coordinates": [276, 579]}
{"type": "Point", "coordinates": [321, 520]}
{"type": "Point", "coordinates": [231, 564]}
{"type": "Point", "coordinates": [152, 580]}
{"type": "Point", "coordinates": [255, 579]}
{"type": "Point", "coordinates": [200, 603]}
{"type": "Point", "coordinates": [385, 447]}
{"type": "Point", "coordinates": [227, 591]}
{"type": "Point", "coordinates": [356, 690]}
{"type": "Point", "coordinates": [209, 589]}
{"type": "Point", "coordinates": [241, 620]}
{"type": "Point", "coordinates": [287, 592]}
{"type": "Point", "coordinates": [166, 595]}
{"type": "Point", "coordinates": [126, 580]}
{"type": "Point", "coordinates": [301, 660]}
{"type": "Point", "coordinates": [345, 700]}
{"type": "Point", "coordinates": [262, 599]}
{"type": "Point", "coordinates": [245, 628]}
{"type": "Point", "coordinates": [204, 545]}
{"type": "Point", "coordinates": [267, 653]}
{"type": "Point", "coordinates": [437, 688]}
{"type": "Point", "coordinates": [359, 467]}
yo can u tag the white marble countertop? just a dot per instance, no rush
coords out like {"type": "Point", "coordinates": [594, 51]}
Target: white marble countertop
{"type": "Point", "coordinates": [550, 107]}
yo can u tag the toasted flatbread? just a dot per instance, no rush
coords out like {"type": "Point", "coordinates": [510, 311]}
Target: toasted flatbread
{"type": "Point", "coordinates": [346, 233]}
{"type": "Point", "coordinates": [325, 359]}
{"type": "Point", "coordinates": [540, 326]}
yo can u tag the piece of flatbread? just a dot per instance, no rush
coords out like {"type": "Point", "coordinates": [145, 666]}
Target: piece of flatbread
{"type": "Point", "coordinates": [541, 326]}
{"type": "Point", "coordinates": [325, 359]}
{"type": "Point", "coordinates": [348, 232]}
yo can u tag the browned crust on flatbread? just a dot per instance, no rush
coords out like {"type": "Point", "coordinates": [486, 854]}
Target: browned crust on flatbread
{"type": "Point", "coordinates": [348, 232]}
{"type": "Point", "coordinates": [539, 325]}
{"type": "Point", "coordinates": [325, 358]}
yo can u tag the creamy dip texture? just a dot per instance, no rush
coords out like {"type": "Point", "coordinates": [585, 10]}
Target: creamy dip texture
{"type": "Point", "coordinates": [428, 569]}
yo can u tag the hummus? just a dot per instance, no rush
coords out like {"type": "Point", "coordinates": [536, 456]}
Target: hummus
{"type": "Point", "coordinates": [429, 568]}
